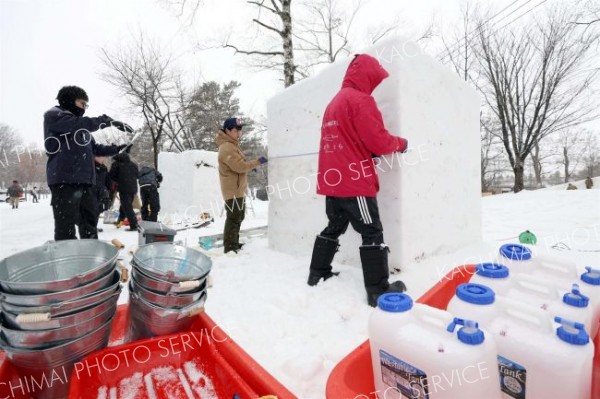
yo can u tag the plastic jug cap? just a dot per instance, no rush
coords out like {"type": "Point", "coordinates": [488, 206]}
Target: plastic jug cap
{"type": "Point", "coordinates": [515, 252]}
{"type": "Point", "coordinates": [491, 270]}
{"type": "Point", "coordinates": [394, 302]}
{"type": "Point", "coordinates": [571, 332]}
{"type": "Point", "coordinates": [470, 334]}
{"type": "Point", "coordinates": [591, 276]}
{"type": "Point", "coordinates": [477, 294]}
{"type": "Point", "coordinates": [576, 298]}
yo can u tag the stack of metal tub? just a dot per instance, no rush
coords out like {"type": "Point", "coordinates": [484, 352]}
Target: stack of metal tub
{"type": "Point", "coordinates": [58, 302]}
{"type": "Point", "coordinates": [167, 288]}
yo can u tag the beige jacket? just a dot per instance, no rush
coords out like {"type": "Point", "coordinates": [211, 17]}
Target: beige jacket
{"type": "Point", "coordinates": [233, 167]}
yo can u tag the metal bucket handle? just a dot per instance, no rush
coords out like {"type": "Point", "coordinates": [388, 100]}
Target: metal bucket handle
{"type": "Point", "coordinates": [189, 285]}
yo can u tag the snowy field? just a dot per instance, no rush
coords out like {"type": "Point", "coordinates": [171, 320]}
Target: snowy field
{"type": "Point", "coordinates": [299, 333]}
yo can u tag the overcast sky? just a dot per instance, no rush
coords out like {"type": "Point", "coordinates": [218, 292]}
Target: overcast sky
{"type": "Point", "coordinates": [45, 44]}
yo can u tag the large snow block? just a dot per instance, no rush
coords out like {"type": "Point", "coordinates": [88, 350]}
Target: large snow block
{"type": "Point", "coordinates": [429, 201]}
{"type": "Point", "coordinates": [190, 184]}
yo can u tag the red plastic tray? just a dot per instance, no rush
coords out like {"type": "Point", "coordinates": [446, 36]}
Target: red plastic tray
{"type": "Point", "coordinates": [352, 377]}
{"type": "Point", "coordinates": [182, 364]}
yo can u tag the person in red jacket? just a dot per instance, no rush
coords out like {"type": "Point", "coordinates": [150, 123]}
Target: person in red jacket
{"type": "Point", "coordinates": [352, 134]}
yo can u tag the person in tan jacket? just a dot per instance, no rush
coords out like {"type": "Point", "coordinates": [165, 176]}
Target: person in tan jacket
{"type": "Point", "coordinates": [233, 168]}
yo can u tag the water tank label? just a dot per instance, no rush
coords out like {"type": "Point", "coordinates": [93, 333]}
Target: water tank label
{"type": "Point", "coordinates": [402, 379]}
{"type": "Point", "coordinates": [512, 378]}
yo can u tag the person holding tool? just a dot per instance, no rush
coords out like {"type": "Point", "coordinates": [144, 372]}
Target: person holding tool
{"type": "Point", "coordinates": [352, 133]}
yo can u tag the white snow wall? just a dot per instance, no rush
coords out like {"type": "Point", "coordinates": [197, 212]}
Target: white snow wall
{"type": "Point", "coordinates": [429, 200]}
{"type": "Point", "coordinates": [190, 185]}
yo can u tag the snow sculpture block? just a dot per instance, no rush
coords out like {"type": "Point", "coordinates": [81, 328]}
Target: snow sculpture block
{"type": "Point", "coordinates": [429, 200]}
{"type": "Point", "coordinates": [190, 184]}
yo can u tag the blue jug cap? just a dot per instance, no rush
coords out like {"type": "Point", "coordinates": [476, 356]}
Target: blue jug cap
{"type": "Point", "coordinates": [477, 294]}
{"type": "Point", "coordinates": [470, 334]}
{"type": "Point", "coordinates": [491, 270]}
{"type": "Point", "coordinates": [576, 298]}
{"type": "Point", "coordinates": [591, 276]}
{"type": "Point", "coordinates": [515, 252]}
{"type": "Point", "coordinates": [394, 302]}
{"type": "Point", "coordinates": [572, 332]}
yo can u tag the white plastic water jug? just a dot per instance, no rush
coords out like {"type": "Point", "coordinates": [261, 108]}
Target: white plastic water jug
{"type": "Point", "coordinates": [493, 275]}
{"type": "Point", "coordinates": [520, 259]}
{"type": "Point", "coordinates": [415, 356]}
{"type": "Point", "coordinates": [589, 284]}
{"type": "Point", "coordinates": [473, 302]}
{"type": "Point", "coordinates": [536, 361]}
{"type": "Point", "coordinates": [568, 303]}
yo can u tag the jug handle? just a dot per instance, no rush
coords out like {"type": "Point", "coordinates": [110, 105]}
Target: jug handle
{"type": "Point", "coordinates": [567, 268]}
{"type": "Point", "coordinates": [434, 317]}
{"type": "Point", "coordinates": [531, 284]}
{"type": "Point", "coordinates": [525, 313]}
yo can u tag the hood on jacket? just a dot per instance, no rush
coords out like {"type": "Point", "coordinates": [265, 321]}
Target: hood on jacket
{"type": "Point", "coordinates": [223, 137]}
{"type": "Point", "coordinates": [122, 157]}
{"type": "Point", "coordinates": [364, 73]}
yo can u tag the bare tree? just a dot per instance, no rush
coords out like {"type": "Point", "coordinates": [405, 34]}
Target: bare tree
{"type": "Point", "coordinates": [591, 153]}
{"type": "Point", "coordinates": [533, 82]}
{"type": "Point", "coordinates": [10, 146]}
{"type": "Point", "coordinates": [274, 17]}
{"type": "Point", "coordinates": [147, 78]}
{"type": "Point", "coordinates": [570, 151]}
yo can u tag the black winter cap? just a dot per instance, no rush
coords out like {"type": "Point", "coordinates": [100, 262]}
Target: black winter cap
{"type": "Point", "coordinates": [68, 94]}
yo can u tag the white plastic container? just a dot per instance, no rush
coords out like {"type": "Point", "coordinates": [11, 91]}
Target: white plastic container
{"type": "Point", "coordinates": [536, 361]}
{"type": "Point", "coordinates": [520, 259]}
{"type": "Point", "coordinates": [589, 284]}
{"type": "Point", "coordinates": [493, 275]}
{"type": "Point", "coordinates": [474, 302]}
{"type": "Point", "coordinates": [542, 293]}
{"type": "Point", "coordinates": [415, 356]}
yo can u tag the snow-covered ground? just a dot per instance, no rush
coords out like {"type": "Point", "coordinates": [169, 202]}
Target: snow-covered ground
{"type": "Point", "coordinates": [298, 333]}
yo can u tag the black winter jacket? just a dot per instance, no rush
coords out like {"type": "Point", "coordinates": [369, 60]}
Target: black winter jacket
{"type": "Point", "coordinates": [124, 173]}
{"type": "Point", "coordinates": [71, 148]}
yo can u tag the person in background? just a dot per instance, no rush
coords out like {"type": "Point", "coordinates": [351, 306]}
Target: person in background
{"type": "Point", "coordinates": [233, 168]}
{"type": "Point", "coordinates": [352, 133]}
{"type": "Point", "coordinates": [102, 187]}
{"type": "Point", "coordinates": [70, 148]}
{"type": "Point", "coordinates": [125, 173]}
{"type": "Point", "coordinates": [15, 192]}
{"type": "Point", "coordinates": [34, 195]}
{"type": "Point", "coordinates": [150, 179]}
{"type": "Point", "coordinates": [589, 183]}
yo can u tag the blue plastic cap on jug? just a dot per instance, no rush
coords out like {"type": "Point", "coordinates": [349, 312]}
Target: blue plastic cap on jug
{"type": "Point", "coordinates": [576, 298]}
{"type": "Point", "coordinates": [591, 276]}
{"type": "Point", "coordinates": [477, 294]}
{"type": "Point", "coordinates": [491, 270]}
{"type": "Point", "coordinates": [571, 332]}
{"type": "Point", "coordinates": [395, 302]}
{"type": "Point", "coordinates": [469, 334]}
{"type": "Point", "coordinates": [515, 252]}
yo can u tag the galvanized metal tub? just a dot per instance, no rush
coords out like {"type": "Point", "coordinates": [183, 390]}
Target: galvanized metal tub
{"type": "Point", "coordinates": [103, 282]}
{"type": "Point", "coordinates": [147, 320]}
{"type": "Point", "coordinates": [165, 287]}
{"type": "Point", "coordinates": [41, 339]}
{"type": "Point", "coordinates": [62, 308]}
{"type": "Point", "coordinates": [38, 321]}
{"type": "Point", "coordinates": [171, 300]}
{"type": "Point", "coordinates": [172, 263]}
{"type": "Point", "coordinates": [56, 266]}
{"type": "Point", "coordinates": [51, 368]}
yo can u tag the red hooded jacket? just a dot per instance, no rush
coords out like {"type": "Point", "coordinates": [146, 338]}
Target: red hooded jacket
{"type": "Point", "coordinates": [353, 132]}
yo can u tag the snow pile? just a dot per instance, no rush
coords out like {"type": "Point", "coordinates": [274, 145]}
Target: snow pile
{"type": "Point", "coordinates": [422, 101]}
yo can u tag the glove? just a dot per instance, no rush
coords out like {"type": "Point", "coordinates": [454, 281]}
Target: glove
{"type": "Point", "coordinates": [128, 147]}
{"type": "Point", "coordinates": [124, 127]}
{"type": "Point", "coordinates": [263, 160]}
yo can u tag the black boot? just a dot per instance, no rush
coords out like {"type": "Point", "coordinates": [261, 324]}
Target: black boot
{"type": "Point", "coordinates": [322, 256]}
{"type": "Point", "coordinates": [374, 259]}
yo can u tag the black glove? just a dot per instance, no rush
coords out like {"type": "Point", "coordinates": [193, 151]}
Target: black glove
{"type": "Point", "coordinates": [124, 127]}
{"type": "Point", "coordinates": [128, 147]}
{"type": "Point", "coordinates": [124, 148]}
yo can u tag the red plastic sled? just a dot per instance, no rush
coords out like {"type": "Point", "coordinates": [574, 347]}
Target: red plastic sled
{"type": "Point", "coordinates": [352, 377]}
{"type": "Point", "coordinates": [201, 363]}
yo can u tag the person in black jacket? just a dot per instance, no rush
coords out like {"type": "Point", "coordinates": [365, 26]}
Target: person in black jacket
{"type": "Point", "coordinates": [150, 180]}
{"type": "Point", "coordinates": [102, 187]}
{"type": "Point", "coordinates": [70, 169]}
{"type": "Point", "coordinates": [125, 173]}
